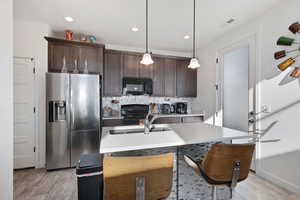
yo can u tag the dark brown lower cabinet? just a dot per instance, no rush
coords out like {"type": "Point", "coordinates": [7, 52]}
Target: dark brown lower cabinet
{"type": "Point", "coordinates": [113, 73]}
{"type": "Point", "coordinates": [118, 122]}
{"type": "Point", "coordinates": [168, 120]}
{"type": "Point", "coordinates": [192, 119]}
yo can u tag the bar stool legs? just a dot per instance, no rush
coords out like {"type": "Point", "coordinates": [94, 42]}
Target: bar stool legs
{"type": "Point", "coordinates": [231, 193]}
{"type": "Point", "coordinates": [140, 188]}
{"type": "Point", "coordinates": [214, 170]}
{"type": "Point", "coordinates": [214, 192]}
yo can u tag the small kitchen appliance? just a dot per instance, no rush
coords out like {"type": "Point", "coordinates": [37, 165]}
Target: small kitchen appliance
{"type": "Point", "coordinates": [137, 86]}
{"type": "Point", "coordinates": [166, 108]}
{"type": "Point", "coordinates": [181, 108]}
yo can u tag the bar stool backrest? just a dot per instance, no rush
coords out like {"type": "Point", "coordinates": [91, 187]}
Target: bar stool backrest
{"type": "Point", "coordinates": [138, 178]}
{"type": "Point", "coordinates": [220, 160]}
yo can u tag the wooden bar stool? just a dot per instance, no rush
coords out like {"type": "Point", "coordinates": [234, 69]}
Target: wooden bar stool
{"type": "Point", "coordinates": [224, 164]}
{"type": "Point", "coordinates": [138, 178]}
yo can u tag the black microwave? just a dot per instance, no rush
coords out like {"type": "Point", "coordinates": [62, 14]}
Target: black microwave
{"type": "Point", "coordinates": [137, 86]}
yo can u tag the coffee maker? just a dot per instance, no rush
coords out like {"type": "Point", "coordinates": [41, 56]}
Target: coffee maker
{"type": "Point", "coordinates": [181, 108]}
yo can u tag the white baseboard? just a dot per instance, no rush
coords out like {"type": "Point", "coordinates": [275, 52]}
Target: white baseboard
{"type": "Point", "coordinates": [38, 166]}
{"type": "Point", "coordinates": [278, 181]}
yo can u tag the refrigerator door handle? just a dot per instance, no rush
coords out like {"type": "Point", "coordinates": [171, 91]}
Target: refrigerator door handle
{"type": "Point", "coordinates": [71, 117]}
{"type": "Point", "coordinates": [51, 111]}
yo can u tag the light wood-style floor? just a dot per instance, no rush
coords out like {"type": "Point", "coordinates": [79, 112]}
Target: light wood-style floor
{"type": "Point", "coordinates": [37, 184]}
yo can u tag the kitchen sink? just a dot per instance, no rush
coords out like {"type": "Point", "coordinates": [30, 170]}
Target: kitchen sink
{"type": "Point", "coordinates": [138, 130]}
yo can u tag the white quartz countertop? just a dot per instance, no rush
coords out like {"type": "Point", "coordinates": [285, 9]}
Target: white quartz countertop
{"type": "Point", "coordinates": [112, 117]}
{"type": "Point", "coordinates": [180, 134]}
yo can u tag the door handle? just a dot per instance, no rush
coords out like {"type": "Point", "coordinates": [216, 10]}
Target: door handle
{"type": "Point", "coordinates": [251, 121]}
{"type": "Point", "coordinates": [253, 113]}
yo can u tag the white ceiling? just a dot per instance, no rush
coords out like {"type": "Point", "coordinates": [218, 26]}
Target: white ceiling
{"type": "Point", "coordinates": [111, 20]}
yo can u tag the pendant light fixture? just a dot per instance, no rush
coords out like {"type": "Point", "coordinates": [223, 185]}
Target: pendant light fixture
{"type": "Point", "coordinates": [194, 63]}
{"type": "Point", "coordinates": [147, 60]}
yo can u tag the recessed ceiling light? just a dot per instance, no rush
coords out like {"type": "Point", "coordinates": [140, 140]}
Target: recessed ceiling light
{"type": "Point", "coordinates": [186, 37]}
{"type": "Point", "coordinates": [69, 19]}
{"type": "Point", "coordinates": [134, 29]}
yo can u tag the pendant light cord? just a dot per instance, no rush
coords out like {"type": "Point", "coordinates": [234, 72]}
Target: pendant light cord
{"type": "Point", "coordinates": [194, 25]}
{"type": "Point", "coordinates": [147, 50]}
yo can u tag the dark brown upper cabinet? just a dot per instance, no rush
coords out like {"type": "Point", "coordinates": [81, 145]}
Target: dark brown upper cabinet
{"type": "Point", "coordinates": [186, 79]}
{"type": "Point", "coordinates": [92, 52]}
{"type": "Point", "coordinates": [94, 58]}
{"type": "Point", "coordinates": [131, 64]}
{"type": "Point", "coordinates": [145, 71]}
{"type": "Point", "coordinates": [56, 52]}
{"type": "Point", "coordinates": [169, 77]}
{"type": "Point", "coordinates": [113, 73]}
{"type": "Point", "coordinates": [158, 77]}
{"type": "Point", "coordinates": [192, 83]}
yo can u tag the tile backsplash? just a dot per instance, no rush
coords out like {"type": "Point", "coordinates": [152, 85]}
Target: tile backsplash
{"type": "Point", "coordinates": [123, 100]}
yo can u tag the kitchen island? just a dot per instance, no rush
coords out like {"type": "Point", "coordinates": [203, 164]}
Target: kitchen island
{"type": "Point", "coordinates": [193, 139]}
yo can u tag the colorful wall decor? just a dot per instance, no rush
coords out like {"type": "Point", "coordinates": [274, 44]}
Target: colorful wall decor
{"type": "Point", "coordinates": [288, 41]}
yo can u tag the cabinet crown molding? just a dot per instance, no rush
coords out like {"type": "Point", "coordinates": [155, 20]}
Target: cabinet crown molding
{"type": "Point", "coordinates": [73, 42]}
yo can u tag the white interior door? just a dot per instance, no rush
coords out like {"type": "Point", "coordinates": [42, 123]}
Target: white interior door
{"type": "Point", "coordinates": [24, 113]}
{"type": "Point", "coordinates": [237, 86]}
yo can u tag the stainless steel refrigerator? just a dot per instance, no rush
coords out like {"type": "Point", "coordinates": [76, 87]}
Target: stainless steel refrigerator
{"type": "Point", "coordinates": [73, 118]}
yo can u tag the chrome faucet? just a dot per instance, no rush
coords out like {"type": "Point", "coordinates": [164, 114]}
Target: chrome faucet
{"type": "Point", "coordinates": [148, 123]}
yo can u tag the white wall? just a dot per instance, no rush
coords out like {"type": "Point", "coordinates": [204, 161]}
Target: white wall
{"type": "Point", "coordinates": [6, 100]}
{"type": "Point", "coordinates": [29, 42]}
{"type": "Point", "coordinates": [279, 161]}
{"type": "Point", "coordinates": [154, 51]}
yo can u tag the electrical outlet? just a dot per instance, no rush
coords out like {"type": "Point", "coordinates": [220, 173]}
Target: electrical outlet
{"type": "Point", "coordinates": [266, 109]}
